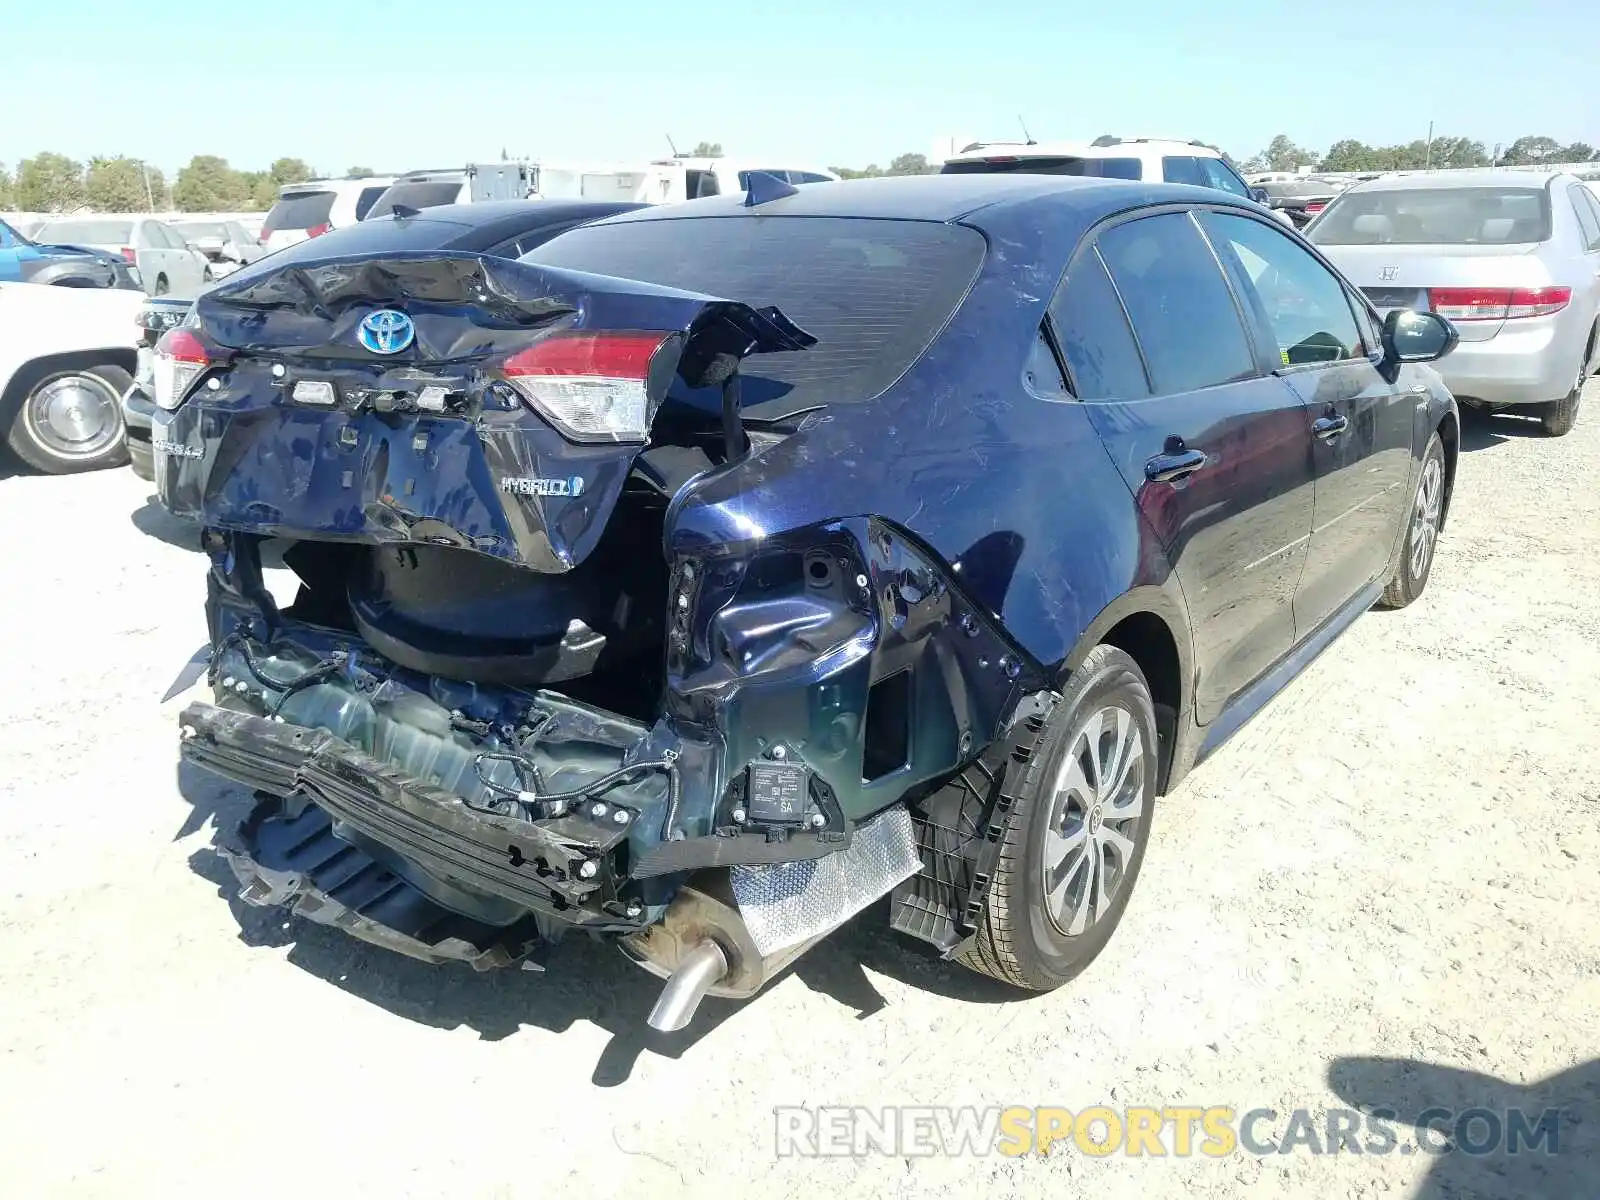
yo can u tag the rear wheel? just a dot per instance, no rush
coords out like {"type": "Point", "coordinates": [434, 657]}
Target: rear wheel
{"type": "Point", "coordinates": [1422, 531]}
{"type": "Point", "coordinates": [71, 421]}
{"type": "Point", "coordinates": [1559, 416]}
{"type": "Point", "coordinates": [1076, 837]}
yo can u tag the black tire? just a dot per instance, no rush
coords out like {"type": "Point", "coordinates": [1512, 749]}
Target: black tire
{"type": "Point", "coordinates": [51, 454]}
{"type": "Point", "coordinates": [1422, 522]}
{"type": "Point", "coordinates": [1559, 416]}
{"type": "Point", "coordinates": [1020, 936]}
{"type": "Point", "coordinates": [162, 286]}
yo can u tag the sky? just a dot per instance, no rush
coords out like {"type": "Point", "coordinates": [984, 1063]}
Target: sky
{"type": "Point", "coordinates": [400, 84]}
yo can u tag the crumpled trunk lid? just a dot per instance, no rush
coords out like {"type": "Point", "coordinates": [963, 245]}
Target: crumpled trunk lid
{"type": "Point", "coordinates": [430, 443]}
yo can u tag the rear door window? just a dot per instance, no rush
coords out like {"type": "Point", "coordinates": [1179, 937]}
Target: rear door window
{"type": "Point", "coordinates": [1183, 168]}
{"type": "Point", "coordinates": [299, 210]}
{"type": "Point", "coordinates": [1093, 334]}
{"type": "Point", "coordinates": [1179, 303]}
{"type": "Point", "coordinates": [875, 293]}
{"type": "Point", "coordinates": [1587, 221]}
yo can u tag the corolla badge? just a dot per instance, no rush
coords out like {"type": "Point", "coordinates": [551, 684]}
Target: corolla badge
{"type": "Point", "coordinates": [387, 331]}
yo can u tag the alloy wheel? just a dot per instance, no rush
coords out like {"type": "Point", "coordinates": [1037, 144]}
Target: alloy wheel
{"type": "Point", "coordinates": [1097, 801]}
{"type": "Point", "coordinates": [1425, 517]}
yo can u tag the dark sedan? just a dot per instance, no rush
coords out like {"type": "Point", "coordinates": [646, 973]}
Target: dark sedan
{"type": "Point", "coordinates": [717, 569]}
{"type": "Point", "coordinates": [503, 229]}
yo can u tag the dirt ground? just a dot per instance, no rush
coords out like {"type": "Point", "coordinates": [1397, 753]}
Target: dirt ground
{"type": "Point", "coordinates": [1382, 892]}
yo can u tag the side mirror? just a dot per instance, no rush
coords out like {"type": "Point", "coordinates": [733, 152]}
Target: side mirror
{"type": "Point", "coordinates": [1260, 195]}
{"type": "Point", "coordinates": [1411, 336]}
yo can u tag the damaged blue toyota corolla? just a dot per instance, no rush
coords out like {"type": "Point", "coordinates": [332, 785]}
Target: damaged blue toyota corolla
{"type": "Point", "coordinates": [715, 570]}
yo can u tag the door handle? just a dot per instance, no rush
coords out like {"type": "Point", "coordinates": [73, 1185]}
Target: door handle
{"type": "Point", "coordinates": [1168, 468]}
{"type": "Point", "coordinates": [1330, 427]}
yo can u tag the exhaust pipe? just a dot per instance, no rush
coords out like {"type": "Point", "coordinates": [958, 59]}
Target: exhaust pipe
{"type": "Point", "coordinates": [702, 947]}
{"type": "Point", "coordinates": [687, 986]}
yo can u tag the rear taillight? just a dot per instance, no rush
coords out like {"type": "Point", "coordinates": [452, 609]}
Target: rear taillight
{"type": "Point", "coordinates": [177, 361]}
{"type": "Point", "coordinates": [319, 230]}
{"type": "Point", "coordinates": [1497, 304]}
{"type": "Point", "coordinates": [594, 387]}
{"type": "Point", "coordinates": [264, 238]}
{"type": "Point", "coordinates": [1315, 206]}
{"type": "Point", "coordinates": [127, 253]}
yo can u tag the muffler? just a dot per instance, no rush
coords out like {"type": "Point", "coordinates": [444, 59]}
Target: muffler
{"type": "Point", "coordinates": [729, 933]}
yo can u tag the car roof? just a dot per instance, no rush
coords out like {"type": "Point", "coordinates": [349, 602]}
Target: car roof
{"type": "Point", "coordinates": [1120, 148]}
{"type": "Point", "coordinates": [940, 198]}
{"type": "Point", "coordinates": [1477, 178]}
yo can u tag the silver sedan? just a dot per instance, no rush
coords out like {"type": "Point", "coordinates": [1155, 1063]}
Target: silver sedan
{"type": "Point", "coordinates": [1511, 257]}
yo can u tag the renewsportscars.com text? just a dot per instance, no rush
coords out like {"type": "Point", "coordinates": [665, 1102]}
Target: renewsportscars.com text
{"type": "Point", "coordinates": [1178, 1131]}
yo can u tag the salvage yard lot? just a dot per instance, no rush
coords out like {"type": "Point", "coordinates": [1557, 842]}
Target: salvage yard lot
{"type": "Point", "coordinates": [1399, 860]}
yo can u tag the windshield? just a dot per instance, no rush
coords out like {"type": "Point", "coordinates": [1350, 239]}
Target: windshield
{"type": "Point", "coordinates": [1098, 168]}
{"type": "Point", "coordinates": [104, 233]}
{"type": "Point", "coordinates": [874, 293]}
{"type": "Point", "coordinates": [416, 195]}
{"type": "Point", "coordinates": [299, 210]}
{"type": "Point", "coordinates": [1461, 216]}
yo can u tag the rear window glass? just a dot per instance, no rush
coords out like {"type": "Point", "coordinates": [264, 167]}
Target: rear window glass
{"type": "Point", "coordinates": [874, 293]}
{"type": "Point", "coordinates": [1435, 217]}
{"type": "Point", "coordinates": [1098, 168]}
{"type": "Point", "coordinates": [194, 230]}
{"type": "Point", "coordinates": [103, 232]}
{"type": "Point", "coordinates": [416, 195]}
{"type": "Point", "coordinates": [299, 210]}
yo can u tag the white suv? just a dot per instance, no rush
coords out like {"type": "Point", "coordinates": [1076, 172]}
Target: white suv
{"type": "Point", "coordinates": [305, 210]}
{"type": "Point", "coordinates": [1149, 159]}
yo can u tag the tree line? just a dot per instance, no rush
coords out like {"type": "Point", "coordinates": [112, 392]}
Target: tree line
{"type": "Point", "coordinates": [51, 182]}
{"type": "Point", "coordinates": [55, 183]}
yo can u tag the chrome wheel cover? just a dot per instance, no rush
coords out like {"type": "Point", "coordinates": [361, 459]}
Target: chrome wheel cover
{"type": "Point", "coordinates": [75, 416]}
{"type": "Point", "coordinates": [1095, 806]}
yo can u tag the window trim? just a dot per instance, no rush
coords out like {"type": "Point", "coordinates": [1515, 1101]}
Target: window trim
{"type": "Point", "coordinates": [1089, 242]}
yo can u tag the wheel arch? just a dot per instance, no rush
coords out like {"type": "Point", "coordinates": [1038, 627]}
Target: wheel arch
{"type": "Point", "coordinates": [27, 375]}
{"type": "Point", "coordinates": [1449, 431]}
{"type": "Point", "coordinates": [1149, 624]}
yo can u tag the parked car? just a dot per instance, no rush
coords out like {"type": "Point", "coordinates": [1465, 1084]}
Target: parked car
{"type": "Point", "coordinates": [167, 264]}
{"type": "Point", "coordinates": [731, 176]}
{"type": "Point", "coordinates": [504, 229]}
{"type": "Point", "coordinates": [64, 363]}
{"type": "Point", "coordinates": [1301, 198]}
{"type": "Point", "coordinates": [713, 570]}
{"type": "Point", "coordinates": [423, 189]}
{"type": "Point", "coordinates": [1109, 158]}
{"type": "Point", "coordinates": [308, 210]}
{"type": "Point", "coordinates": [226, 245]}
{"type": "Point", "coordinates": [23, 260]}
{"type": "Point", "coordinates": [1511, 257]}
